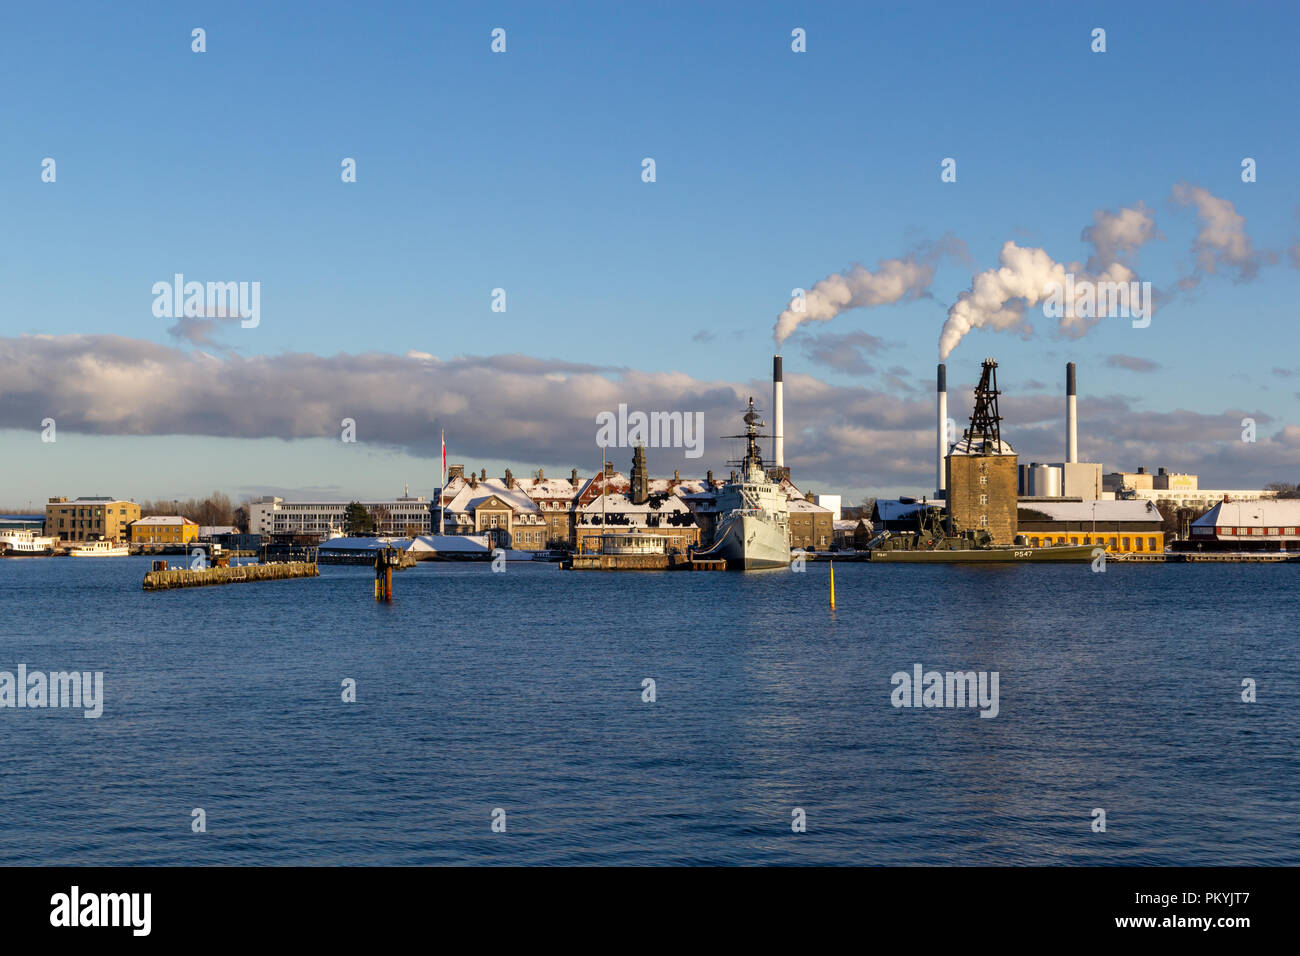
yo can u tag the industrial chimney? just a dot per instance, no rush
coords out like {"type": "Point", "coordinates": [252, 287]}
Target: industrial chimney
{"type": "Point", "coordinates": [1071, 416]}
{"type": "Point", "coordinates": [941, 390]}
{"type": "Point", "coordinates": [778, 414]}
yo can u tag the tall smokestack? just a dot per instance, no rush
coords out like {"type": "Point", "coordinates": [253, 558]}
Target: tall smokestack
{"type": "Point", "coordinates": [941, 390]}
{"type": "Point", "coordinates": [1071, 416]}
{"type": "Point", "coordinates": [778, 413]}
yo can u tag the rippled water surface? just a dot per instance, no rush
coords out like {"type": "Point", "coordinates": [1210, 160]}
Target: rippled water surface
{"type": "Point", "coordinates": [522, 691]}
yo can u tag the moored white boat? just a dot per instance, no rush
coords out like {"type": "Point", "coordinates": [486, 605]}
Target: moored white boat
{"type": "Point", "coordinates": [101, 549]}
{"type": "Point", "coordinates": [18, 543]}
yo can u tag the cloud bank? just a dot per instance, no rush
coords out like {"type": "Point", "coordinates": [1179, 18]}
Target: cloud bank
{"type": "Point", "coordinates": [542, 411]}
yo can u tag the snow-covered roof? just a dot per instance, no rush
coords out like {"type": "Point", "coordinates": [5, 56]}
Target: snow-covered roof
{"type": "Point", "coordinates": [617, 481]}
{"type": "Point", "coordinates": [164, 520]}
{"type": "Point", "coordinates": [365, 544]}
{"type": "Point", "coordinates": [975, 446]}
{"type": "Point", "coordinates": [621, 510]}
{"type": "Point", "coordinates": [696, 487]}
{"type": "Point", "coordinates": [467, 498]}
{"type": "Point", "coordinates": [1263, 512]}
{"type": "Point", "coordinates": [547, 487]}
{"type": "Point", "coordinates": [801, 504]}
{"type": "Point", "coordinates": [1132, 510]}
{"type": "Point", "coordinates": [892, 509]}
{"type": "Point", "coordinates": [451, 542]}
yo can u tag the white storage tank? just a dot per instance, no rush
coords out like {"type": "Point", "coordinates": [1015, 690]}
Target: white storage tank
{"type": "Point", "coordinates": [1044, 481]}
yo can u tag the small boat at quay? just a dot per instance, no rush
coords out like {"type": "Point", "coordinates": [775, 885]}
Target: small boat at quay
{"type": "Point", "coordinates": [937, 540]}
{"type": "Point", "coordinates": [18, 543]}
{"type": "Point", "coordinates": [101, 549]}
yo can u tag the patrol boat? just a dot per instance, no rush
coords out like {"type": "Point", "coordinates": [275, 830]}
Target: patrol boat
{"type": "Point", "coordinates": [753, 529]}
{"type": "Point", "coordinates": [940, 540]}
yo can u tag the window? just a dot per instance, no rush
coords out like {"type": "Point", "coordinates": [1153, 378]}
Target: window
{"type": "Point", "coordinates": [984, 499]}
{"type": "Point", "coordinates": [1151, 543]}
{"type": "Point", "coordinates": [984, 479]}
{"type": "Point", "coordinates": [1127, 544]}
{"type": "Point", "coordinates": [984, 521]}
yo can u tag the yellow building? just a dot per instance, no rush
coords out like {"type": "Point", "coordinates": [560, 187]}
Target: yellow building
{"type": "Point", "coordinates": [164, 529]}
{"type": "Point", "coordinates": [1118, 526]}
{"type": "Point", "coordinates": [90, 519]}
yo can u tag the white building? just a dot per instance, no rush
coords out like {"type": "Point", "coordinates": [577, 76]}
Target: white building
{"type": "Point", "coordinates": [274, 515]}
{"type": "Point", "coordinates": [1202, 497]}
{"type": "Point", "coordinates": [1250, 525]}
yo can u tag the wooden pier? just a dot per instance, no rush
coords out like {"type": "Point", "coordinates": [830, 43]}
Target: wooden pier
{"type": "Point", "coordinates": [205, 577]}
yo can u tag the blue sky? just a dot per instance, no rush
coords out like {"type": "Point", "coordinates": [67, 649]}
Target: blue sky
{"type": "Point", "coordinates": [522, 171]}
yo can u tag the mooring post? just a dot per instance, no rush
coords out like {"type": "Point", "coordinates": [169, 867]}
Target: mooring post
{"type": "Point", "coordinates": [384, 574]}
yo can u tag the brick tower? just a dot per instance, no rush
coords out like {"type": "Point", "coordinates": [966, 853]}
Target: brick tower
{"type": "Point", "coordinates": [981, 469]}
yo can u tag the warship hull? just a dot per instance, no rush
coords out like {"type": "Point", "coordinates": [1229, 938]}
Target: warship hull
{"type": "Point", "coordinates": [1083, 552]}
{"type": "Point", "coordinates": [750, 543]}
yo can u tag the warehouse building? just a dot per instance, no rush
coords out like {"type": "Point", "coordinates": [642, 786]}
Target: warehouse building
{"type": "Point", "coordinates": [1260, 525]}
{"type": "Point", "coordinates": [1118, 526]}
{"type": "Point", "coordinates": [90, 519]}
{"type": "Point", "coordinates": [164, 529]}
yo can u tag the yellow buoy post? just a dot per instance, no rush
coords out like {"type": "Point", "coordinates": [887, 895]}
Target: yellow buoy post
{"type": "Point", "coordinates": [832, 585]}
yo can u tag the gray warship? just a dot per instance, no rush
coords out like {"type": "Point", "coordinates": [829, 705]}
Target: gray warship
{"type": "Point", "coordinates": [753, 528]}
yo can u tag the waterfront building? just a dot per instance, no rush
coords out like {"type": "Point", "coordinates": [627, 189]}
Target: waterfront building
{"type": "Point", "coordinates": [209, 531]}
{"type": "Point", "coordinates": [812, 527]}
{"type": "Point", "coordinates": [496, 507]}
{"type": "Point", "coordinates": [666, 515]}
{"type": "Point", "coordinates": [646, 507]}
{"type": "Point", "coordinates": [22, 523]}
{"type": "Point", "coordinates": [164, 529]}
{"type": "Point", "coordinates": [540, 513]}
{"type": "Point", "coordinates": [1259, 525]}
{"type": "Point", "coordinates": [1118, 526]}
{"type": "Point", "coordinates": [853, 533]}
{"type": "Point", "coordinates": [90, 519]}
{"type": "Point", "coordinates": [554, 498]}
{"type": "Point", "coordinates": [1199, 499]}
{"type": "Point", "coordinates": [274, 515]}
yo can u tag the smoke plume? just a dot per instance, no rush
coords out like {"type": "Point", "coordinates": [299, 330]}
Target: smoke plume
{"type": "Point", "coordinates": [894, 280]}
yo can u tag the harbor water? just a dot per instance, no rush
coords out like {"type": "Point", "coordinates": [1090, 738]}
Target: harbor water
{"type": "Point", "coordinates": [523, 692]}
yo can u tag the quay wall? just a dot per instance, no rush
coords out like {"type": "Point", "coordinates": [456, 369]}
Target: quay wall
{"type": "Point", "coordinates": [186, 578]}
